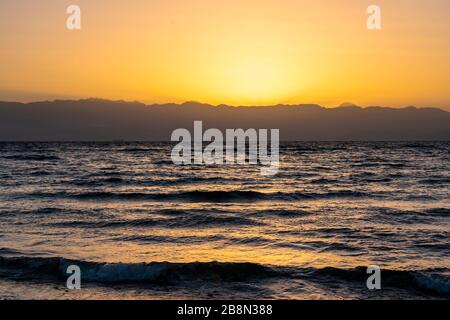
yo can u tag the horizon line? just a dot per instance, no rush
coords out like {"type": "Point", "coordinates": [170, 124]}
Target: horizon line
{"type": "Point", "coordinates": [342, 105]}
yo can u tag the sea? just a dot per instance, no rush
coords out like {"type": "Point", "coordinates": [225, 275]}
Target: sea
{"type": "Point", "coordinates": [140, 227]}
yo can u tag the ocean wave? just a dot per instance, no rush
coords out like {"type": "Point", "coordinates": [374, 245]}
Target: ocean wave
{"type": "Point", "coordinates": [141, 239]}
{"type": "Point", "coordinates": [438, 212]}
{"type": "Point", "coordinates": [45, 211]}
{"type": "Point", "coordinates": [204, 196]}
{"type": "Point", "coordinates": [323, 181]}
{"type": "Point", "coordinates": [417, 197]}
{"type": "Point", "coordinates": [31, 157]}
{"type": "Point", "coordinates": [97, 182]}
{"type": "Point", "coordinates": [431, 281]}
{"type": "Point", "coordinates": [168, 239]}
{"type": "Point", "coordinates": [435, 181]}
{"type": "Point", "coordinates": [193, 220]}
{"type": "Point", "coordinates": [40, 173]}
{"type": "Point", "coordinates": [280, 213]}
{"type": "Point", "coordinates": [392, 215]}
{"type": "Point", "coordinates": [164, 162]}
{"type": "Point", "coordinates": [112, 179]}
{"type": "Point", "coordinates": [442, 247]}
{"type": "Point", "coordinates": [420, 146]}
{"type": "Point", "coordinates": [137, 150]}
{"type": "Point", "coordinates": [153, 272]}
{"type": "Point", "coordinates": [435, 283]}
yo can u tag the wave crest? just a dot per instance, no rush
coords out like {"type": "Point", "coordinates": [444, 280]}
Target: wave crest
{"type": "Point", "coordinates": [203, 196]}
{"type": "Point", "coordinates": [432, 281]}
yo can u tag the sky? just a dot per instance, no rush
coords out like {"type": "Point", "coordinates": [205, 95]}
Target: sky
{"type": "Point", "coordinates": [252, 52]}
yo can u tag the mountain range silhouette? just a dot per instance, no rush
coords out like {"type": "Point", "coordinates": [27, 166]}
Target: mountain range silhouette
{"type": "Point", "coordinates": [105, 120]}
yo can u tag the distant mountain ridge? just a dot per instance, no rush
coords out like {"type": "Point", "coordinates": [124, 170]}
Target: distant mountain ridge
{"type": "Point", "coordinates": [105, 120]}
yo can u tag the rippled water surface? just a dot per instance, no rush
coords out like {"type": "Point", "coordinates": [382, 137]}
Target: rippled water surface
{"type": "Point", "coordinates": [141, 227]}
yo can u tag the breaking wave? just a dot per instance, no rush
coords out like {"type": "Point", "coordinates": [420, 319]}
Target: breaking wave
{"type": "Point", "coordinates": [165, 273]}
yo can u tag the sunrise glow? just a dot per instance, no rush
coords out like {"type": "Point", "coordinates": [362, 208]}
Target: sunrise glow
{"type": "Point", "coordinates": [232, 52]}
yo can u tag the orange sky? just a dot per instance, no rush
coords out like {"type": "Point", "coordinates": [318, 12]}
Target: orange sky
{"type": "Point", "coordinates": [228, 51]}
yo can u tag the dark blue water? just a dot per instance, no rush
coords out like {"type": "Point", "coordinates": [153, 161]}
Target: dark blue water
{"type": "Point", "coordinates": [140, 227]}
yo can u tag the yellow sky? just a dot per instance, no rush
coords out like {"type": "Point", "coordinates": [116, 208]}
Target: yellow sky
{"type": "Point", "coordinates": [238, 52]}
